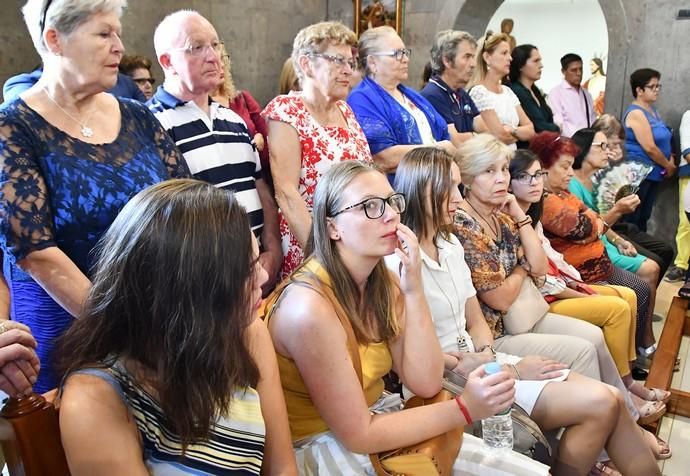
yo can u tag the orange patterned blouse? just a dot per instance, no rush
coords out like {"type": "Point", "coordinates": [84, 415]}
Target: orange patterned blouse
{"type": "Point", "coordinates": [572, 229]}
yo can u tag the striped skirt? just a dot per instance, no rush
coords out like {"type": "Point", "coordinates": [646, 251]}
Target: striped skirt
{"type": "Point", "coordinates": [323, 455]}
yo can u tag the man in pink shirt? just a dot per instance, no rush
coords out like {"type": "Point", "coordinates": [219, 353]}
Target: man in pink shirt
{"type": "Point", "coordinates": [572, 106]}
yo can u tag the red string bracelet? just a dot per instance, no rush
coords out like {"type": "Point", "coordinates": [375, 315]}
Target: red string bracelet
{"type": "Point", "coordinates": [463, 409]}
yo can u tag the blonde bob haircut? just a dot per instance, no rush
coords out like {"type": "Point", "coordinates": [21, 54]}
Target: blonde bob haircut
{"type": "Point", "coordinates": [377, 310]}
{"type": "Point", "coordinates": [487, 44]}
{"type": "Point", "coordinates": [478, 154]}
{"type": "Point", "coordinates": [316, 38]}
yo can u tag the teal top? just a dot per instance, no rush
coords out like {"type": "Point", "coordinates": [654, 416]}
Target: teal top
{"type": "Point", "coordinates": [628, 263]}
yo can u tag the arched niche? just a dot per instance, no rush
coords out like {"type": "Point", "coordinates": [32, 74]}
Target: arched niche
{"type": "Point", "coordinates": [473, 16]}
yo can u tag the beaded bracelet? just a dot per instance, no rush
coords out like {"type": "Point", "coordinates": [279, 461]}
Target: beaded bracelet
{"type": "Point", "coordinates": [463, 409]}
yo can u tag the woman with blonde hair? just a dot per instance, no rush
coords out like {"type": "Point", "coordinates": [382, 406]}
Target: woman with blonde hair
{"type": "Point", "coordinates": [288, 80]}
{"type": "Point", "coordinates": [498, 105]}
{"type": "Point", "coordinates": [339, 414]}
{"type": "Point", "coordinates": [554, 397]}
{"type": "Point", "coordinates": [311, 130]}
{"type": "Point", "coordinates": [242, 103]}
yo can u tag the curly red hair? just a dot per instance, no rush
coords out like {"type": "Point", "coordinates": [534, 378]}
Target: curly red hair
{"type": "Point", "coordinates": [550, 146]}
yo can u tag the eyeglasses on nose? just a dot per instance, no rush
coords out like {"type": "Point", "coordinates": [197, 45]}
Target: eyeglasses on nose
{"type": "Point", "coordinates": [398, 54]}
{"type": "Point", "coordinates": [338, 60]}
{"type": "Point", "coordinates": [653, 87]}
{"type": "Point", "coordinates": [603, 145]}
{"type": "Point", "coordinates": [526, 179]}
{"type": "Point", "coordinates": [199, 49]}
{"type": "Point", "coordinates": [374, 207]}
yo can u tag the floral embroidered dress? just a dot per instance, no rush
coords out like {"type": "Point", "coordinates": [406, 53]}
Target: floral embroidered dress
{"type": "Point", "coordinates": [58, 191]}
{"type": "Point", "coordinates": [322, 147]}
{"type": "Point", "coordinates": [490, 262]}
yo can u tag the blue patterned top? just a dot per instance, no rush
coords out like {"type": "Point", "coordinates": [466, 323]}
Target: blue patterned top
{"type": "Point", "coordinates": [56, 190]}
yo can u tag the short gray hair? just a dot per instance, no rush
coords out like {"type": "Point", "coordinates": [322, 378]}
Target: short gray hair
{"type": "Point", "coordinates": [446, 47]}
{"type": "Point", "coordinates": [64, 16]}
{"type": "Point", "coordinates": [478, 154]}
{"type": "Point", "coordinates": [369, 43]}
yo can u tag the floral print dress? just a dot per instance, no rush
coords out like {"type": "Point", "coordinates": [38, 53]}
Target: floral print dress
{"type": "Point", "coordinates": [322, 147]}
{"type": "Point", "coordinates": [490, 262]}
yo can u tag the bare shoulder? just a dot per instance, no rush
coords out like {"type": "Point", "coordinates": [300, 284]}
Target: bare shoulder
{"type": "Point", "coordinates": [89, 405]}
{"type": "Point", "coordinates": [87, 400]}
{"type": "Point", "coordinates": [302, 314]}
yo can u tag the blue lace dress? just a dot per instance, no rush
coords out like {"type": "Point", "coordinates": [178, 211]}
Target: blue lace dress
{"type": "Point", "coordinates": [56, 190]}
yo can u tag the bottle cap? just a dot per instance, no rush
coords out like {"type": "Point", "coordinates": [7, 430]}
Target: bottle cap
{"type": "Point", "coordinates": [492, 368]}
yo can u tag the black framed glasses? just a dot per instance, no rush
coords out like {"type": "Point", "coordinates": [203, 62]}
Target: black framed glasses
{"type": "Point", "coordinates": [44, 14]}
{"type": "Point", "coordinates": [398, 54]}
{"type": "Point", "coordinates": [375, 206]}
{"type": "Point", "coordinates": [527, 179]}
{"type": "Point", "coordinates": [339, 60]}
{"type": "Point", "coordinates": [653, 87]}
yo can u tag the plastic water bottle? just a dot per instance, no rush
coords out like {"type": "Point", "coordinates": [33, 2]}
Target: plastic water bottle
{"type": "Point", "coordinates": [497, 430]}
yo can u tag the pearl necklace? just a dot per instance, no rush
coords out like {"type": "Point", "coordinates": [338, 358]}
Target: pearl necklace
{"type": "Point", "coordinates": [85, 130]}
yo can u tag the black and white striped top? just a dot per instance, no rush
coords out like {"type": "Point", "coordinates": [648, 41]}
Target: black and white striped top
{"type": "Point", "coordinates": [217, 148]}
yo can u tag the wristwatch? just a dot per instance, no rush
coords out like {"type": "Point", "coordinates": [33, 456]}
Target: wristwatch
{"type": "Point", "coordinates": [514, 131]}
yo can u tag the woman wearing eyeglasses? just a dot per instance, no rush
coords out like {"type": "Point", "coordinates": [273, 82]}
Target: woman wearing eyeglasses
{"type": "Point", "coordinates": [395, 118]}
{"type": "Point", "coordinates": [71, 157]}
{"type": "Point", "coordinates": [574, 230]}
{"type": "Point", "coordinates": [139, 69]}
{"type": "Point", "coordinates": [648, 140]}
{"type": "Point", "coordinates": [311, 130]}
{"type": "Point", "coordinates": [611, 308]}
{"type": "Point", "coordinates": [498, 105]}
{"type": "Point", "coordinates": [343, 321]}
{"type": "Point", "coordinates": [541, 391]}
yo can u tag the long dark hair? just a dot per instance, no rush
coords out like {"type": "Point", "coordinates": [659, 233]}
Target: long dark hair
{"type": "Point", "coordinates": [521, 162]}
{"type": "Point", "coordinates": [520, 55]}
{"type": "Point", "coordinates": [172, 294]}
{"type": "Point", "coordinates": [583, 140]}
{"type": "Point", "coordinates": [421, 169]}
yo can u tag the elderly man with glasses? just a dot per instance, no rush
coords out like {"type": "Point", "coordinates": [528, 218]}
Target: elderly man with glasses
{"type": "Point", "coordinates": [213, 139]}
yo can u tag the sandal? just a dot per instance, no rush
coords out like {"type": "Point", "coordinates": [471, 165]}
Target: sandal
{"type": "Point", "coordinates": [604, 468]}
{"type": "Point", "coordinates": [660, 448]}
{"type": "Point", "coordinates": [649, 411]}
{"type": "Point", "coordinates": [649, 394]}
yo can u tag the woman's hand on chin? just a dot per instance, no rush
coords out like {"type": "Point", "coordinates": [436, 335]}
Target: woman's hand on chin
{"type": "Point", "coordinates": [511, 207]}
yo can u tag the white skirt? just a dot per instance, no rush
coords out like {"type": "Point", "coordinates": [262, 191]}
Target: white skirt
{"type": "Point", "coordinates": [527, 391]}
{"type": "Point", "coordinates": [323, 455]}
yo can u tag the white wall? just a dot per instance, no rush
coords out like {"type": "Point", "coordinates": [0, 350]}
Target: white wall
{"type": "Point", "coordinates": [557, 27]}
